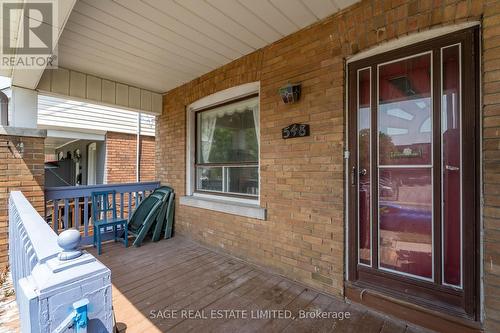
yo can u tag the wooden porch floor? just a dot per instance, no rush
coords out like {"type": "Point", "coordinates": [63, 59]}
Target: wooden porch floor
{"type": "Point", "coordinates": [180, 275]}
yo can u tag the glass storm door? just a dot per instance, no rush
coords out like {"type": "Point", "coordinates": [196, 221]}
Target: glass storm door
{"type": "Point", "coordinates": [413, 174]}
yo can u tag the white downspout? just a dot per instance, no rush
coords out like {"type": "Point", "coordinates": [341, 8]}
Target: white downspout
{"type": "Point", "coordinates": [138, 149]}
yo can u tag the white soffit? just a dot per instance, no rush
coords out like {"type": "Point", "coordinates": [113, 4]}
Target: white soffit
{"type": "Point", "coordinates": [160, 44]}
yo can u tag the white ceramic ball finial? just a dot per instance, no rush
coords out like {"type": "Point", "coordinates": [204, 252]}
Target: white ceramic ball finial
{"type": "Point", "coordinates": [69, 240]}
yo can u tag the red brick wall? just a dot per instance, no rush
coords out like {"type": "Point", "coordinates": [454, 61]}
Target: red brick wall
{"type": "Point", "coordinates": [121, 157]}
{"type": "Point", "coordinates": [302, 179]}
{"type": "Point", "coordinates": [491, 163]}
{"type": "Point", "coordinates": [18, 173]}
{"type": "Point", "coordinates": [147, 162]}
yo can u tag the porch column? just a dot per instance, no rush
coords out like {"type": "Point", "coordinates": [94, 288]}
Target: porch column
{"type": "Point", "coordinates": [23, 108]}
{"type": "Point", "coordinates": [21, 169]}
{"type": "Point", "coordinates": [21, 159]}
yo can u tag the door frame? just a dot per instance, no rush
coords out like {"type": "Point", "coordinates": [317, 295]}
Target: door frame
{"type": "Point", "coordinates": [465, 303]}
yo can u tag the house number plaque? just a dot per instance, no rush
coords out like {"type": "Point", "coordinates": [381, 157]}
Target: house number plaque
{"type": "Point", "coordinates": [295, 131]}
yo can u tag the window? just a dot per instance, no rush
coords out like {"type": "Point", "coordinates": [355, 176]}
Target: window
{"type": "Point", "coordinates": [227, 148]}
{"type": "Point", "coordinates": [222, 152]}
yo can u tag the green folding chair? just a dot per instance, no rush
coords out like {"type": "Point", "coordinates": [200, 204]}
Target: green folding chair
{"type": "Point", "coordinates": [165, 217]}
{"type": "Point", "coordinates": [169, 218]}
{"type": "Point", "coordinates": [144, 217]}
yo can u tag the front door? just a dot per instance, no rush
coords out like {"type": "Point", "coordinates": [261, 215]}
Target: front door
{"type": "Point", "coordinates": [413, 142]}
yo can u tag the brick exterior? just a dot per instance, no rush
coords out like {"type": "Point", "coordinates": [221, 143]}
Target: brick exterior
{"type": "Point", "coordinates": [147, 163]}
{"type": "Point", "coordinates": [121, 156]}
{"type": "Point", "coordinates": [491, 163]}
{"type": "Point", "coordinates": [19, 173]}
{"type": "Point", "coordinates": [302, 179]}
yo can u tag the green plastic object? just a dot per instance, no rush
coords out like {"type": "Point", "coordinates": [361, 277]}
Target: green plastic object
{"type": "Point", "coordinates": [144, 217]}
{"type": "Point", "coordinates": [169, 220]}
{"type": "Point", "coordinates": [166, 215]}
{"type": "Point", "coordinates": [161, 217]}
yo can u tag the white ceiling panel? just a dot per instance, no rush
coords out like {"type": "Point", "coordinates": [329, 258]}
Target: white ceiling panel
{"type": "Point", "coordinates": [178, 28]}
{"type": "Point", "coordinates": [109, 12]}
{"type": "Point", "coordinates": [172, 11]}
{"type": "Point", "coordinates": [296, 11]}
{"type": "Point", "coordinates": [214, 16]}
{"type": "Point", "coordinates": [123, 58]}
{"type": "Point", "coordinates": [320, 8]}
{"type": "Point", "coordinates": [88, 64]}
{"type": "Point", "coordinates": [121, 62]}
{"type": "Point", "coordinates": [101, 33]}
{"type": "Point", "coordinates": [160, 44]}
{"type": "Point", "coordinates": [343, 3]}
{"type": "Point", "coordinates": [271, 15]}
{"type": "Point", "coordinates": [243, 16]}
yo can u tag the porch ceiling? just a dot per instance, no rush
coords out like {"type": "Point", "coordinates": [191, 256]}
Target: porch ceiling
{"type": "Point", "coordinates": [160, 44]}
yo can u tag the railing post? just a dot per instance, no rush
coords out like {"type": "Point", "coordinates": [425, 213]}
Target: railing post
{"type": "Point", "coordinates": [69, 240]}
{"type": "Point", "coordinates": [51, 275]}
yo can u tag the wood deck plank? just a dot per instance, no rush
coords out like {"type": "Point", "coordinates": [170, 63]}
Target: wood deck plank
{"type": "Point", "coordinates": [410, 328]}
{"type": "Point", "coordinates": [143, 300]}
{"type": "Point", "coordinates": [300, 302]}
{"type": "Point", "coordinates": [352, 324]}
{"type": "Point", "coordinates": [136, 279]}
{"type": "Point", "coordinates": [393, 327]}
{"type": "Point", "coordinates": [371, 322]}
{"type": "Point", "coordinates": [266, 300]}
{"type": "Point", "coordinates": [143, 276]}
{"type": "Point", "coordinates": [320, 303]}
{"type": "Point", "coordinates": [252, 302]}
{"type": "Point", "coordinates": [207, 299]}
{"type": "Point", "coordinates": [178, 274]}
{"type": "Point", "coordinates": [339, 307]}
{"type": "Point", "coordinates": [159, 300]}
{"type": "Point", "coordinates": [203, 298]}
{"type": "Point", "coordinates": [143, 259]}
{"type": "Point", "coordinates": [234, 300]}
{"type": "Point", "coordinates": [280, 303]}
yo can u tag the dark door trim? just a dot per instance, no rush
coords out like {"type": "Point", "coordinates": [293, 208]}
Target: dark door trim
{"type": "Point", "coordinates": [432, 295]}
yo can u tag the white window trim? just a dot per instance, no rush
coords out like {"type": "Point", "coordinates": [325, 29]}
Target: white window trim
{"type": "Point", "coordinates": [225, 206]}
{"type": "Point", "coordinates": [217, 202]}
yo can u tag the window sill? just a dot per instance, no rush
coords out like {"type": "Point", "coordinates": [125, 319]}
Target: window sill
{"type": "Point", "coordinates": [225, 206]}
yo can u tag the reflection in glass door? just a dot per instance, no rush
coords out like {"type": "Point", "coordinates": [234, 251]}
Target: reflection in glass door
{"type": "Point", "coordinates": [364, 162]}
{"type": "Point", "coordinates": [451, 165]}
{"type": "Point", "coordinates": [412, 221]}
{"type": "Point", "coordinates": [405, 166]}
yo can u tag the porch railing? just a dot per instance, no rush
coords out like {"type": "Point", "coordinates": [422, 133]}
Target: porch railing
{"type": "Point", "coordinates": [70, 207]}
{"type": "Point", "coordinates": [51, 286]}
